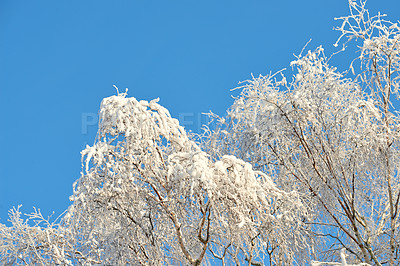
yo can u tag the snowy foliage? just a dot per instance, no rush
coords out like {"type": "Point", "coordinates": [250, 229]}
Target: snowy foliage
{"type": "Point", "coordinates": [297, 171]}
{"type": "Point", "coordinates": [149, 195]}
{"type": "Point", "coordinates": [335, 137]}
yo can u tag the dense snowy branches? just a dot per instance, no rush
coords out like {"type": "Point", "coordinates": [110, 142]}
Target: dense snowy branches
{"type": "Point", "coordinates": [332, 136]}
{"type": "Point", "coordinates": [149, 195]}
{"type": "Point", "coordinates": [297, 171]}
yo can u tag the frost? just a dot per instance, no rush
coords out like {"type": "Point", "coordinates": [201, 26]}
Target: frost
{"type": "Point", "coordinates": [299, 169]}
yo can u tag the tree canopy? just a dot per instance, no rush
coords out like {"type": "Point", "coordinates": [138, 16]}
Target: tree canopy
{"type": "Point", "coordinates": [297, 171]}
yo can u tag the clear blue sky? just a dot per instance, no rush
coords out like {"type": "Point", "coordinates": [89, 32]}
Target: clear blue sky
{"type": "Point", "coordinates": [58, 59]}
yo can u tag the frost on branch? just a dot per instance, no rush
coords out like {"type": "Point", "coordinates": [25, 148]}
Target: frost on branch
{"type": "Point", "coordinates": [41, 244]}
{"type": "Point", "coordinates": [343, 262]}
{"type": "Point", "coordinates": [149, 194]}
{"type": "Point", "coordinates": [297, 170]}
{"type": "Point", "coordinates": [379, 52]}
{"type": "Point", "coordinates": [331, 137]}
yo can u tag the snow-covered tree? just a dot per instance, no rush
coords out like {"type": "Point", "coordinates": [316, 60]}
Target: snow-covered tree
{"type": "Point", "coordinates": [333, 137]}
{"type": "Point", "coordinates": [149, 195]}
{"type": "Point", "coordinates": [297, 171]}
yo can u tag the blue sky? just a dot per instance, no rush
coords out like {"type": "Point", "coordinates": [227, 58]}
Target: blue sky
{"type": "Point", "coordinates": [58, 59]}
